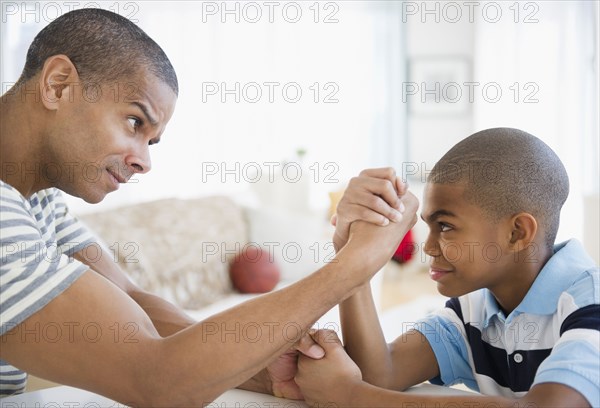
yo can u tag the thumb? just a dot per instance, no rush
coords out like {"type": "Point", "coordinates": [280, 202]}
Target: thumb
{"type": "Point", "coordinates": [307, 346]}
{"type": "Point", "coordinates": [328, 340]}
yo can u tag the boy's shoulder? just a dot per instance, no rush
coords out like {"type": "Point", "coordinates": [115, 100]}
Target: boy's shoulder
{"type": "Point", "coordinates": [569, 281]}
{"type": "Point", "coordinates": [574, 272]}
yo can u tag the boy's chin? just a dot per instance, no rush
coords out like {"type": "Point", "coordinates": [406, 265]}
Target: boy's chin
{"type": "Point", "coordinates": [444, 290]}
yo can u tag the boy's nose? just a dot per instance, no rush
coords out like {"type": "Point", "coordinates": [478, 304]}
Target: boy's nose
{"type": "Point", "coordinates": [431, 247]}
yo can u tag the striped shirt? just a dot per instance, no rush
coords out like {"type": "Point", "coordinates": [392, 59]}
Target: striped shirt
{"type": "Point", "coordinates": [37, 238]}
{"type": "Point", "coordinates": [553, 335]}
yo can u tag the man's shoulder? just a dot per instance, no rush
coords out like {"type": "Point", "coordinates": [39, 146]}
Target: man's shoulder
{"type": "Point", "coordinates": [8, 192]}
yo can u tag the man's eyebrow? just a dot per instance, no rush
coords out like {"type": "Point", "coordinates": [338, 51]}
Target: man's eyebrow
{"type": "Point", "coordinates": [146, 112]}
{"type": "Point", "coordinates": [436, 214]}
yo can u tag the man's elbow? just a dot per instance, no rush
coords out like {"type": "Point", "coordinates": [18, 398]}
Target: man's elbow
{"type": "Point", "coordinates": [160, 381]}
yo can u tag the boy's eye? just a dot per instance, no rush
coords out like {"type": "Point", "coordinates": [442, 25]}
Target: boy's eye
{"type": "Point", "coordinates": [445, 227]}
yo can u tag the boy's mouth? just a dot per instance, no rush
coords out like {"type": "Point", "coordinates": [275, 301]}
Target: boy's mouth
{"type": "Point", "coordinates": [436, 273]}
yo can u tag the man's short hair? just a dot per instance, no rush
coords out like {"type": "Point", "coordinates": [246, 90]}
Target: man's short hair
{"type": "Point", "coordinates": [507, 171]}
{"type": "Point", "coordinates": [102, 45]}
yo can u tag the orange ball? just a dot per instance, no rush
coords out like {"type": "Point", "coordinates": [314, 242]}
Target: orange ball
{"type": "Point", "coordinates": [251, 271]}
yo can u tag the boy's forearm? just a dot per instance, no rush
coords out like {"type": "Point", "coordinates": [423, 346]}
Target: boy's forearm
{"type": "Point", "coordinates": [363, 338]}
{"type": "Point", "coordinates": [259, 383]}
{"type": "Point", "coordinates": [366, 395]}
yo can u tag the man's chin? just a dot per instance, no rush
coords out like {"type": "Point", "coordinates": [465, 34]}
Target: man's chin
{"type": "Point", "coordinates": [94, 200]}
{"type": "Point", "coordinates": [91, 197]}
{"type": "Point", "coordinates": [89, 193]}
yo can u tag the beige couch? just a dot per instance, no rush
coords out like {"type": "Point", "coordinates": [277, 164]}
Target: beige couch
{"type": "Point", "coordinates": [180, 249]}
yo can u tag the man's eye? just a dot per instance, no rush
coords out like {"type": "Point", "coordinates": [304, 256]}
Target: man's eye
{"type": "Point", "coordinates": [135, 122]}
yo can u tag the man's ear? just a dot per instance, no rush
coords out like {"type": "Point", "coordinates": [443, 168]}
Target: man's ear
{"type": "Point", "coordinates": [57, 81]}
{"type": "Point", "coordinates": [524, 228]}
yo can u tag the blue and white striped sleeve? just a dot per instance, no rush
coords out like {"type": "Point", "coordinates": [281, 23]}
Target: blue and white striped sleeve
{"type": "Point", "coordinates": [444, 330]}
{"type": "Point", "coordinates": [575, 358]}
{"type": "Point", "coordinates": [32, 273]}
{"type": "Point", "coordinates": [71, 234]}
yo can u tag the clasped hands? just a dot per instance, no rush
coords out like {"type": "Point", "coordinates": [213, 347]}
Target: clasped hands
{"type": "Point", "coordinates": [374, 214]}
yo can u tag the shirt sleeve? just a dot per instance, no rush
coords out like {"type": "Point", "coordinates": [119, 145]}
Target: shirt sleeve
{"type": "Point", "coordinates": [71, 234]}
{"type": "Point", "coordinates": [446, 335]}
{"type": "Point", "coordinates": [33, 270]}
{"type": "Point", "coordinates": [575, 358]}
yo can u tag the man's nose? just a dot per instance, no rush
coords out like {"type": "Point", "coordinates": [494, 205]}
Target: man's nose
{"type": "Point", "coordinates": [139, 162]}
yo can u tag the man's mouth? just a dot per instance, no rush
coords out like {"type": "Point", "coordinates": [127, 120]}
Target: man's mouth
{"type": "Point", "coordinates": [117, 177]}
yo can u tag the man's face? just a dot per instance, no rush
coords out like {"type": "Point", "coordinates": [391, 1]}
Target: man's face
{"type": "Point", "coordinates": [468, 251]}
{"type": "Point", "coordinates": [102, 134]}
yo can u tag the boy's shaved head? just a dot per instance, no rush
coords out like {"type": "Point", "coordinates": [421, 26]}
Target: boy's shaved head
{"type": "Point", "coordinates": [507, 171]}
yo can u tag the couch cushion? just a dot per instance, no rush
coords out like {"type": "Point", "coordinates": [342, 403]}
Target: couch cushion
{"type": "Point", "coordinates": [177, 249]}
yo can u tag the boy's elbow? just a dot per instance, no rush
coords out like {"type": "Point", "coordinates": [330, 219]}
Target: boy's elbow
{"type": "Point", "coordinates": [382, 375]}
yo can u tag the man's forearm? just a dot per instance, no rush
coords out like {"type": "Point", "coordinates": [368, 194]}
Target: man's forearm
{"type": "Point", "coordinates": [238, 343]}
{"type": "Point", "coordinates": [363, 338]}
{"type": "Point", "coordinates": [166, 317]}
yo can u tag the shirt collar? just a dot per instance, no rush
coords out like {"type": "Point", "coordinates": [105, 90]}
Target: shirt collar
{"type": "Point", "coordinates": [491, 308]}
{"type": "Point", "coordinates": [568, 261]}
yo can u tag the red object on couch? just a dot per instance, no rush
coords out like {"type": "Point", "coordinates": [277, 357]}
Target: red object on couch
{"type": "Point", "coordinates": [406, 250]}
{"type": "Point", "coordinates": [253, 271]}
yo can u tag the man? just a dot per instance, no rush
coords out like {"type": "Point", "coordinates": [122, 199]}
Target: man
{"type": "Point", "coordinates": [95, 92]}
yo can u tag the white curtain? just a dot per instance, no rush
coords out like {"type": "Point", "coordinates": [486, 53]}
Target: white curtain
{"type": "Point", "coordinates": [545, 59]}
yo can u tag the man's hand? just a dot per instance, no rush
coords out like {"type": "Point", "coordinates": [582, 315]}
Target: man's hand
{"type": "Point", "coordinates": [371, 246]}
{"type": "Point", "coordinates": [374, 197]}
{"type": "Point", "coordinates": [330, 379]}
{"type": "Point", "coordinates": [281, 373]}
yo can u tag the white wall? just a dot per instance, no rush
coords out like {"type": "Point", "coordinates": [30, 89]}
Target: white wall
{"type": "Point", "coordinates": [543, 59]}
{"type": "Point", "coordinates": [434, 37]}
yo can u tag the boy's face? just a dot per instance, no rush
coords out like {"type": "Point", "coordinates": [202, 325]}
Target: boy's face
{"type": "Point", "coordinates": [468, 251]}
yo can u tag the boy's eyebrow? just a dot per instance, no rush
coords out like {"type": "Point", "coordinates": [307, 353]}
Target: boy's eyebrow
{"type": "Point", "coordinates": [436, 214]}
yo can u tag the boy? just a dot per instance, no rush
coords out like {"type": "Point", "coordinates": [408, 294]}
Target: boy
{"type": "Point", "coordinates": [523, 322]}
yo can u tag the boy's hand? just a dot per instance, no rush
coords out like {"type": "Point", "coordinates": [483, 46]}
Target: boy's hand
{"type": "Point", "coordinates": [282, 371]}
{"type": "Point", "coordinates": [331, 378]}
{"type": "Point", "coordinates": [374, 197]}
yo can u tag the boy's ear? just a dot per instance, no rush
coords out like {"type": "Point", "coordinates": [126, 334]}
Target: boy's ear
{"type": "Point", "coordinates": [57, 80]}
{"type": "Point", "coordinates": [524, 228]}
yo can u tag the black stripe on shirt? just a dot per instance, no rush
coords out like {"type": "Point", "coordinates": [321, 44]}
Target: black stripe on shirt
{"type": "Point", "coordinates": [500, 366]}
{"type": "Point", "coordinates": [454, 304]}
{"type": "Point", "coordinates": [587, 317]}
